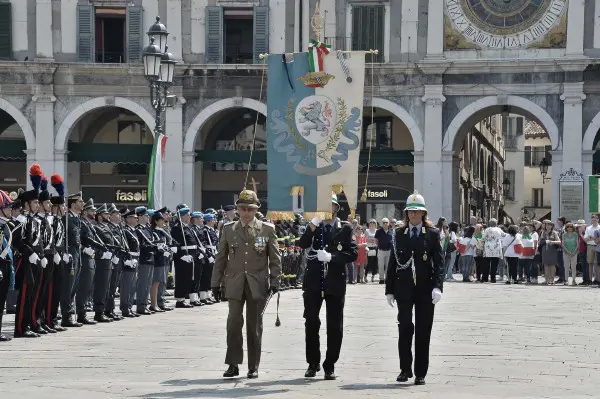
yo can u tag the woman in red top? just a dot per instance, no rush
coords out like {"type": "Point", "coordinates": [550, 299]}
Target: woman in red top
{"type": "Point", "coordinates": [361, 260]}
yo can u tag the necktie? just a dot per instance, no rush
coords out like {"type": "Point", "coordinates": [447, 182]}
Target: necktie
{"type": "Point", "coordinates": [328, 229]}
{"type": "Point", "coordinates": [414, 234]}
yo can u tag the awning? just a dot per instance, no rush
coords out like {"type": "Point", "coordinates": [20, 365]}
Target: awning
{"type": "Point", "coordinates": [12, 150]}
{"type": "Point", "coordinates": [104, 153]}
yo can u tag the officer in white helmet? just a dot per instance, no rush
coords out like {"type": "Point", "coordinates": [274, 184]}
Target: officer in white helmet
{"type": "Point", "coordinates": [415, 277]}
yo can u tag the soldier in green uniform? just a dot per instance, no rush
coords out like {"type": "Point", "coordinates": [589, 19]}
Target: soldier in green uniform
{"type": "Point", "coordinates": [248, 262]}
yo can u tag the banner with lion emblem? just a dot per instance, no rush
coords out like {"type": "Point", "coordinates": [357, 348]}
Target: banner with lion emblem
{"type": "Point", "coordinates": [314, 129]}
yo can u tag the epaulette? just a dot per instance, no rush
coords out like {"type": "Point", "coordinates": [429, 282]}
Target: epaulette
{"type": "Point", "coordinates": [229, 223]}
{"type": "Point", "coordinates": [268, 224]}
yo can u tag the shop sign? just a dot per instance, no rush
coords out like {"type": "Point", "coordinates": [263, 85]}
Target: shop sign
{"type": "Point", "coordinates": [129, 195]}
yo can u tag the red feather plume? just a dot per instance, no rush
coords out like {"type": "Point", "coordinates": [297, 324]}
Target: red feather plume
{"type": "Point", "coordinates": [35, 170]}
{"type": "Point", "coordinates": [56, 179]}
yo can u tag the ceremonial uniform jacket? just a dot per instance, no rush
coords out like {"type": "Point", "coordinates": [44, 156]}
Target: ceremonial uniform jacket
{"type": "Point", "coordinates": [106, 237]}
{"type": "Point", "coordinates": [121, 249]}
{"type": "Point", "coordinates": [187, 243]}
{"type": "Point", "coordinates": [74, 233]}
{"type": "Point", "coordinates": [27, 238]}
{"type": "Point", "coordinates": [210, 241]}
{"type": "Point", "coordinates": [426, 252]}
{"type": "Point", "coordinates": [89, 236]}
{"type": "Point", "coordinates": [47, 233]}
{"type": "Point", "coordinates": [162, 257]}
{"type": "Point", "coordinates": [331, 278]}
{"type": "Point", "coordinates": [6, 262]}
{"type": "Point", "coordinates": [58, 227]}
{"type": "Point", "coordinates": [247, 256]}
{"type": "Point", "coordinates": [147, 244]}
{"type": "Point", "coordinates": [199, 233]}
{"type": "Point", "coordinates": [133, 243]}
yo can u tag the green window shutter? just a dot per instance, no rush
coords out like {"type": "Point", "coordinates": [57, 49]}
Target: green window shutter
{"type": "Point", "coordinates": [368, 30]}
{"type": "Point", "coordinates": [135, 34]}
{"type": "Point", "coordinates": [527, 155]}
{"type": "Point", "coordinates": [519, 126]}
{"type": "Point", "coordinates": [214, 35]}
{"type": "Point", "coordinates": [5, 32]}
{"type": "Point", "coordinates": [261, 32]}
{"type": "Point", "coordinates": [85, 33]}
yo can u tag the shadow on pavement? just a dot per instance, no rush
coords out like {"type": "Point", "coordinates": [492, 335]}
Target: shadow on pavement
{"type": "Point", "coordinates": [215, 393]}
{"type": "Point", "coordinates": [362, 387]}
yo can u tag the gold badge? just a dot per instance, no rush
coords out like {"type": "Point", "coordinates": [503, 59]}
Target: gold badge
{"type": "Point", "coordinates": [339, 247]}
{"type": "Point", "coordinates": [425, 257]}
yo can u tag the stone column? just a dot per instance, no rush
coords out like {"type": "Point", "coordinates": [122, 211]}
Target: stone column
{"type": "Point", "coordinates": [435, 31]}
{"type": "Point", "coordinates": [277, 26]}
{"type": "Point", "coordinates": [174, 26]}
{"type": "Point", "coordinates": [60, 167]}
{"type": "Point", "coordinates": [572, 135]}
{"type": "Point", "coordinates": [173, 177]}
{"type": "Point", "coordinates": [198, 27]}
{"type": "Point", "coordinates": [188, 179]}
{"type": "Point", "coordinates": [557, 168]}
{"type": "Point", "coordinates": [587, 163]}
{"type": "Point", "coordinates": [43, 23]}
{"type": "Point", "coordinates": [450, 194]}
{"type": "Point", "coordinates": [44, 132]}
{"type": "Point", "coordinates": [575, 27]}
{"type": "Point", "coordinates": [30, 153]}
{"type": "Point", "coordinates": [419, 161]}
{"type": "Point", "coordinates": [432, 185]}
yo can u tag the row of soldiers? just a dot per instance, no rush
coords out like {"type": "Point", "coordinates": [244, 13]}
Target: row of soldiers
{"type": "Point", "coordinates": [57, 257]}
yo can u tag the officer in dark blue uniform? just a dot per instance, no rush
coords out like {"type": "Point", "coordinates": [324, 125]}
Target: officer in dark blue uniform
{"type": "Point", "coordinates": [415, 277]}
{"type": "Point", "coordinates": [332, 248]}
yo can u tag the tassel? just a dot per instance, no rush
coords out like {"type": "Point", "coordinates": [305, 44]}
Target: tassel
{"type": "Point", "coordinates": [337, 188]}
{"type": "Point", "coordinates": [44, 184]}
{"type": "Point", "coordinates": [363, 197]}
{"type": "Point", "coordinates": [35, 175]}
{"type": "Point", "coordinates": [57, 182]}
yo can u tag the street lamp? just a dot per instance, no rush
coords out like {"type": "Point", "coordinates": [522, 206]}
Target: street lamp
{"type": "Point", "coordinates": [505, 186]}
{"type": "Point", "coordinates": [159, 69]}
{"type": "Point", "coordinates": [544, 164]}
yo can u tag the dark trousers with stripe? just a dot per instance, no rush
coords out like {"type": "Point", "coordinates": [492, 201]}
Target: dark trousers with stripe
{"type": "Point", "coordinates": [54, 287]}
{"type": "Point", "coordinates": [41, 302]}
{"type": "Point", "coordinates": [25, 284]}
{"type": "Point", "coordinates": [4, 284]}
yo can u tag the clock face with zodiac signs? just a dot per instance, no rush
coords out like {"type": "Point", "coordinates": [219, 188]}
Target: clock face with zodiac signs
{"type": "Point", "coordinates": [505, 24]}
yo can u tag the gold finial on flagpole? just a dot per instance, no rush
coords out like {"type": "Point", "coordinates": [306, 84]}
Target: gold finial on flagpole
{"type": "Point", "coordinates": [317, 22]}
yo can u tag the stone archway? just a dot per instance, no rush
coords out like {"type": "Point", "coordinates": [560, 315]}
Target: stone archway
{"type": "Point", "coordinates": [21, 121]}
{"type": "Point", "coordinates": [522, 105]}
{"type": "Point", "coordinates": [64, 131]}
{"type": "Point", "coordinates": [590, 134]}
{"type": "Point", "coordinates": [405, 117]}
{"type": "Point", "coordinates": [189, 141]}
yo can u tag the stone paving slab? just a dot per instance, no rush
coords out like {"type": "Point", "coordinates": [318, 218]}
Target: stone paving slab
{"type": "Point", "coordinates": [489, 341]}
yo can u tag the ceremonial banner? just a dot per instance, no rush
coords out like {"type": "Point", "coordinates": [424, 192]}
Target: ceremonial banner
{"type": "Point", "coordinates": [314, 129]}
{"type": "Point", "coordinates": [155, 176]}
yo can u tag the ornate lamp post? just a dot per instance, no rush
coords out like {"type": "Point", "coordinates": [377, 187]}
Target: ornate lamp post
{"type": "Point", "coordinates": [159, 68]}
{"type": "Point", "coordinates": [505, 186]}
{"type": "Point", "coordinates": [544, 164]}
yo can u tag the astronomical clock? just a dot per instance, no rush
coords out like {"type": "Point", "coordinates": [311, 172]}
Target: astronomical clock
{"type": "Point", "coordinates": [505, 24]}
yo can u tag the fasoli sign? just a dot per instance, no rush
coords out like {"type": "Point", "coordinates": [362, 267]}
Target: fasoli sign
{"type": "Point", "coordinates": [131, 196]}
{"type": "Point", "coordinates": [377, 194]}
{"type": "Point", "coordinates": [384, 194]}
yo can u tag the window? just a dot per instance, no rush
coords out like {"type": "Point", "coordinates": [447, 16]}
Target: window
{"type": "Point", "coordinates": [5, 32]}
{"type": "Point", "coordinates": [538, 198]}
{"type": "Point", "coordinates": [368, 30]}
{"type": "Point", "coordinates": [236, 35]}
{"type": "Point", "coordinates": [109, 35]}
{"type": "Point", "coordinates": [534, 155]}
{"type": "Point", "coordinates": [378, 135]}
{"type": "Point", "coordinates": [512, 126]}
{"type": "Point", "coordinates": [510, 175]}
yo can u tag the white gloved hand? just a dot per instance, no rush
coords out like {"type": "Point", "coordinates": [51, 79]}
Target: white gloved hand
{"type": "Point", "coordinates": [436, 295]}
{"type": "Point", "coordinates": [115, 260]}
{"type": "Point", "coordinates": [56, 258]}
{"type": "Point", "coordinates": [88, 251]}
{"type": "Point", "coordinates": [166, 254]}
{"type": "Point", "coordinates": [200, 255]}
{"type": "Point", "coordinates": [211, 260]}
{"type": "Point", "coordinates": [187, 258]}
{"type": "Point", "coordinates": [128, 263]}
{"type": "Point", "coordinates": [174, 250]}
{"type": "Point", "coordinates": [107, 255]}
{"type": "Point", "coordinates": [66, 258]}
{"type": "Point", "coordinates": [44, 263]}
{"type": "Point", "coordinates": [33, 258]}
{"type": "Point", "coordinates": [316, 220]}
{"type": "Point", "coordinates": [323, 256]}
{"type": "Point", "coordinates": [390, 299]}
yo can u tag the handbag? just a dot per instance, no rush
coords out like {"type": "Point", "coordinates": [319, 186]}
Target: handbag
{"type": "Point", "coordinates": [372, 252]}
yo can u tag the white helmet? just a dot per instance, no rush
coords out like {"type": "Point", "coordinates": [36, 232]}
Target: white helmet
{"type": "Point", "coordinates": [415, 202]}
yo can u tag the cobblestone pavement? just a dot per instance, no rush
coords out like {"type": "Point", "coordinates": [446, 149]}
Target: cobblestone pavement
{"type": "Point", "coordinates": [489, 341]}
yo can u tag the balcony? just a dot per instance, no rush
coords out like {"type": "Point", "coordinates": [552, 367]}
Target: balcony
{"type": "Point", "coordinates": [546, 204]}
{"type": "Point", "coordinates": [511, 142]}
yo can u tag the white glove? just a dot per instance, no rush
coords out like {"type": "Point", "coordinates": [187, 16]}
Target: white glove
{"type": "Point", "coordinates": [135, 263]}
{"type": "Point", "coordinates": [174, 250]}
{"type": "Point", "coordinates": [436, 295]}
{"type": "Point", "coordinates": [33, 258]}
{"type": "Point", "coordinates": [390, 299]}
{"type": "Point", "coordinates": [66, 258]}
{"type": "Point", "coordinates": [316, 220]}
{"type": "Point", "coordinates": [56, 258]}
{"type": "Point", "coordinates": [44, 263]}
{"type": "Point", "coordinates": [187, 258]}
{"type": "Point", "coordinates": [200, 255]}
{"type": "Point", "coordinates": [166, 254]}
{"type": "Point", "coordinates": [88, 251]}
{"type": "Point", "coordinates": [115, 260]}
{"type": "Point", "coordinates": [107, 255]}
{"type": "Point", "coordinates": [128, 263]}
{"type": "Point", "coordinates": [211, 260]}
{"type": "Point", "coordinates": [323, 256]}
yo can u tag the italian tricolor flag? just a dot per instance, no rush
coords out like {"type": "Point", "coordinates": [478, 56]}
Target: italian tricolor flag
{"type": "Point", "coordinates": [155, 177]}
{"type": "Point", "coordinates": [316, 54]}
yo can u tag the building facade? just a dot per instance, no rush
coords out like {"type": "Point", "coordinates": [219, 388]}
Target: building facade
{"type": "Point", "coordinates": [71, 80]}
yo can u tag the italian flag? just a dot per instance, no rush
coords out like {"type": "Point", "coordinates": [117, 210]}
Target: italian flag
{"type": "Point", "coordinates": [155, 177]}
{"type": "Point", "coordinates": [316, 53]}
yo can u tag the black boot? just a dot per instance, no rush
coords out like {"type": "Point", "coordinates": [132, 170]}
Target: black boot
{"type": "Point", "coordinates": [232, 371]}
{"type": "Point", "coordinates": [404, 376]}
{"type": "Point", "coordinates": [101, 318]}
{"type": "Point", "coordinates": [312, 370]}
